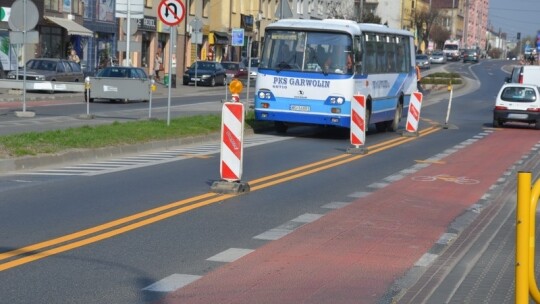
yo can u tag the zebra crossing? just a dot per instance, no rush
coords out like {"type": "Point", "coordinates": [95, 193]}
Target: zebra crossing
{"type": "Point", "coordinates": [154, 158]}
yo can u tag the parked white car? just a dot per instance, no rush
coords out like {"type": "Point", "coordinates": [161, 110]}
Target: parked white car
{"type": "Point", "coordinates": [517, 103]}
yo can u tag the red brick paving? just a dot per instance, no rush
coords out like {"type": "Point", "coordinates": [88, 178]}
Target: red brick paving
{"type": "Point", "coordinates": [354, 254]}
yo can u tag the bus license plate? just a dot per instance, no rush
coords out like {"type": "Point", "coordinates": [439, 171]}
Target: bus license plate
{"type": "Point", "coordinates": [300, 108]}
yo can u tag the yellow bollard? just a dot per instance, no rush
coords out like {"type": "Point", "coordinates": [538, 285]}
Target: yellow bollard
{"type": "Point", "coordinates": [534, 194]}
{"type": "Point", "coordinates": [522, 237]}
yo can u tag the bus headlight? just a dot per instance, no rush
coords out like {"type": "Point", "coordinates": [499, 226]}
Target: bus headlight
{"type": "Point", "coordinates": [265, 95]}
{"type": "Point", "coordinates": [335, 100]}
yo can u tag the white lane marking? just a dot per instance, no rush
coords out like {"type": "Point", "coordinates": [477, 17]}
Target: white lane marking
{"type": "Point", "coordinates": [154, 158]}
{"type": "Point", "coordinates": [172, 283]}
{"type": "Point", "coordinates": [426, 260]}
{"type": "Point", "coordinates": [230, 255]}
{"type": "Point", "coordinates": [307, 218]}
{"type": "Point", "coordinates": [335, 205]}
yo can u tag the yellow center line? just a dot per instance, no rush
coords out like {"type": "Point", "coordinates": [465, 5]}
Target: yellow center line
{"type": "Point", "coordinates": [161, 213]}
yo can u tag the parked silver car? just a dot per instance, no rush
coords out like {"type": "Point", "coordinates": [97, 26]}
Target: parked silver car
{"type": "Point", "coordinates": [423, 61]}
{"type": "Point", "coordinates": [50, 69]}
{"type": "Point", "coordinates": [437, 57]}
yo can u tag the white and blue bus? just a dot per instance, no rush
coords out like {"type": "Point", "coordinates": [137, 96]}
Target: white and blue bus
{"type": "Point", "coordinates": [310, 70]}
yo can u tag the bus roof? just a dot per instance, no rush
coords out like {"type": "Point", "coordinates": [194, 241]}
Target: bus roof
{"type": "Point", "coordinates": [338, 25]}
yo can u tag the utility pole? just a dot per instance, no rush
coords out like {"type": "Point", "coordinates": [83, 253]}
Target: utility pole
{"type": "Point", "coordinates": [466, 25]}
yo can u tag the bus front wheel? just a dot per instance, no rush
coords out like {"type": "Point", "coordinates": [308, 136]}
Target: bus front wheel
{"type": "Point", "coordinates": [281, 127]}
{"type": "Point", "coordinates": [394, 124]}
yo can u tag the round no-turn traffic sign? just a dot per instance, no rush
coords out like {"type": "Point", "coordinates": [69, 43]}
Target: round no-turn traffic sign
{"type": "Point", "coordinates": [171, 12]}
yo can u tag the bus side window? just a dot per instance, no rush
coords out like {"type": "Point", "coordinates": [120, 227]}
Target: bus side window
{"type": "Point", "coordinates": [357, 55]}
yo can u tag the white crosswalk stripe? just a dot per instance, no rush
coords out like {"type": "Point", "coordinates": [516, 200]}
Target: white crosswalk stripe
{"type": "Point", "coordinates": [154, 158]}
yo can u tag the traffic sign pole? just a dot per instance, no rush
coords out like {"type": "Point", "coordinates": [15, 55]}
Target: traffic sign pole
{"type": "Point", "coordinates": [171, 12]}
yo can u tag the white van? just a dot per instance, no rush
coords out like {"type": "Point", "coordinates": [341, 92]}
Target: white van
{"type": "Point", "coordinates": [529, 74]}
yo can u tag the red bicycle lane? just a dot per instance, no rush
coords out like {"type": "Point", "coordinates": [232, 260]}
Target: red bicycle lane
{"type": "Point", "coordinates": [354, 254]}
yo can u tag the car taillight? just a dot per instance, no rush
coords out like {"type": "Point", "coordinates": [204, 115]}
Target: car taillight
{"type": "Point", "coordinates": [520, 78]}
{"type": "Point", "coordinates": [533, 110]}
{"type": "Point", "coordinates": [501, 108]}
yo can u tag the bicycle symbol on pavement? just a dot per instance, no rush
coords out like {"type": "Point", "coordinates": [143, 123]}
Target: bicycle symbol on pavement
{"type": "Point", "coordinates": [461, 180]}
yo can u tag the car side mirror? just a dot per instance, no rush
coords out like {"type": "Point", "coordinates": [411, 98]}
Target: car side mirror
{"type": "Point", "coordinates": [508, 79]}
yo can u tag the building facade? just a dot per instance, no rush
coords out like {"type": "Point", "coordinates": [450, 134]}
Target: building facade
{"type": "Point", "coordinates": [90, 27]}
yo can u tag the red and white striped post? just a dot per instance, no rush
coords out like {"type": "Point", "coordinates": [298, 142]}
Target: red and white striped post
{"type": "Point", "coordinates": [358, 124]}
{"type": "Point", "coordinates": [232, 149]}
{"type": "Point", "coordinates": [413, 116]}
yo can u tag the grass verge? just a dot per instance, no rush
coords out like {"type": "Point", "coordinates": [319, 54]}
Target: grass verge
{"type": "Point", "coordinates": [115, 134]}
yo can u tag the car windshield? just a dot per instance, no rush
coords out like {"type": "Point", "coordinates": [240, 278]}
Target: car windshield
{"type": "Point", "coordinates": [421, 57]}
{"type": "Point", "coordinates": [518, 94]}
{"type": "Point", "coordinates": [231, 66]}
{"type": "Point", "coordinates": [44, 65]}
{"type": "Point", "coordinates": [203, 65]}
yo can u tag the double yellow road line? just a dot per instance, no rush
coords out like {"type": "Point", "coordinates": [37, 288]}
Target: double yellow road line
{"type": "Point", "coordinates": [24, 255]}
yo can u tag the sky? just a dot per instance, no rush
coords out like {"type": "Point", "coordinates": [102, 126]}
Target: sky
{"type": "Point", "coordinates": [515, 16]}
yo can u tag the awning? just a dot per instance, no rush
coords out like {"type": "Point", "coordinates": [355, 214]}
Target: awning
{"type": "Point", "coordinates": [221, 38]}
{"type": "Point", "coordinates": [72, 27]}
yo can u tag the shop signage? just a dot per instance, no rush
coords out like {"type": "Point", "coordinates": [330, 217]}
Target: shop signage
{"type": "Point", "coordinates": [148, 23]}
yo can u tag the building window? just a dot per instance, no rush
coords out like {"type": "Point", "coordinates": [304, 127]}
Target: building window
{"type": "Point", "coordinates": [205, 7]}
{"type": "Point", "coordinates": [192, 7]}
{"type": "Point", "coordinates": [51, 5]}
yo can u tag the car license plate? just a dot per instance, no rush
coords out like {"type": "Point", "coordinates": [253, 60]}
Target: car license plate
{"type": "Point", "coordinates": [518, 116]}
{"type": "Point", "coordinates": [300, 108]}
{"type": "Point", "coordinates": [195, 79]}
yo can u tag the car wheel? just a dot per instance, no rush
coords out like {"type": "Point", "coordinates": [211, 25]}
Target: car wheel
{"type": "Point", "coordinates": [537, 125]}
{"type": "Point", "coordinates": [185, 82]}
{"type": "Point", "coordinates": [496, 123]}
{"type": "Point", "coordinates": [213, 82]}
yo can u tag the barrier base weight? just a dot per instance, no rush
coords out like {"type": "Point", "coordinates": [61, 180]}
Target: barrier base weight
{"type": "Point", "coordinates": [25, 114]}
{"type": "Point", "coordinates": [355, 150]}
{"type": "Point", "coordinates": [227, 187]}
{"type": "Point", "coordinates": [409, 134]}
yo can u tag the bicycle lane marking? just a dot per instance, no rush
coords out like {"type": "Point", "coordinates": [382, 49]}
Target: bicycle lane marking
{"type": "Point", "coordinates": [358, 251]}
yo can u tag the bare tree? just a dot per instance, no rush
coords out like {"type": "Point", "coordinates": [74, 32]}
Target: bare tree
{"type": "Point", "coordinates": [439, 35]}
{"type": "Point", "coordinates": [424, 22]}
{"type": "Point", "coordinates": [341, 9]}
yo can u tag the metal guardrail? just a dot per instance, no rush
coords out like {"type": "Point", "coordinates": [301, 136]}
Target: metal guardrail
{"type": "Point", "coordinates": [37, 85]}
{"type": "Point", "coordinates": [527, 201]}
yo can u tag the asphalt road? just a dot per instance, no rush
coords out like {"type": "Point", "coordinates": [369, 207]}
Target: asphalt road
{"type": "Point", "coordinates": [114, 230]}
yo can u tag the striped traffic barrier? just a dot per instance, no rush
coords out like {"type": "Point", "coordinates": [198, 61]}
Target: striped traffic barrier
{"type": "Point", "coordinates": [413, 116]}
{"type": "Point", "coordinates": [232, 149]}
{"type": "Point", "coordinates": [358, 125]}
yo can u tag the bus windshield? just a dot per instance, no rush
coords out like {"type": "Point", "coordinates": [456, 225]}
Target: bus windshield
{"type": "Point", "coordinates": [307, 52]}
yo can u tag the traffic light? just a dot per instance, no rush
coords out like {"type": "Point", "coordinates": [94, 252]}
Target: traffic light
{"type": "Point", "coordinates": [518, 36]}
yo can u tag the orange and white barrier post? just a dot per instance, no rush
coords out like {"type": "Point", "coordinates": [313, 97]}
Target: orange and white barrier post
{"type": "Point", "coordinates": [358, 125]}
{"type": "Point", "coordinates": [232, 149]}
{"type": "Point", "coordinates": [413, 116]}
{"type": "Point", "coordinates": [232, 136]}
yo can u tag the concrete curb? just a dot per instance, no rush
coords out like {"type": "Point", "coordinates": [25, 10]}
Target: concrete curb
{"type": "Point", "coordinates": [32, 162]}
